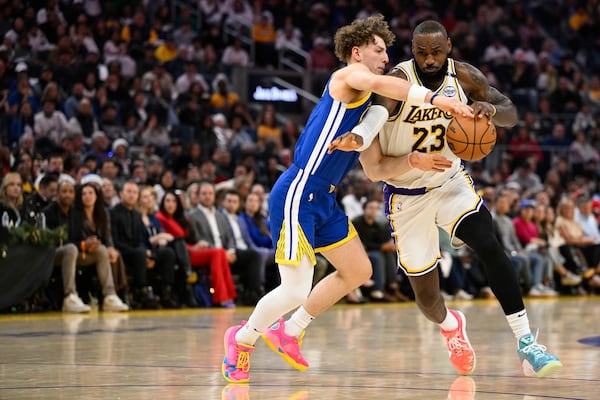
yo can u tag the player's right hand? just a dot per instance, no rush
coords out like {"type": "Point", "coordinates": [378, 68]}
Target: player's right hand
{"type": "Point", "coordinates": [349, 141]}
{"type": "Point", "coordinates": [453, 106]}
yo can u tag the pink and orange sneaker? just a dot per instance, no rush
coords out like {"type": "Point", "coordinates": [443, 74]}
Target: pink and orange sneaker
{"type": "Point", "coordinates": [288, 347]}
{"type": "Point", "coordinates": [236, 364]}
{"type": "Point", "coordinates": [461, 353]}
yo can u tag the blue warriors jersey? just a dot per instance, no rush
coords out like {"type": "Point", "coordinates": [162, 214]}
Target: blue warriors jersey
{"type": "Point", "coordinates": [329, 119]}
{"type": "Point", "coordinates": [305, 217]}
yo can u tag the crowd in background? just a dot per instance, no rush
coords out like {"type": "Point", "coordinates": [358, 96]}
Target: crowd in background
{"type": "Point", "coordinates": [136, 96]}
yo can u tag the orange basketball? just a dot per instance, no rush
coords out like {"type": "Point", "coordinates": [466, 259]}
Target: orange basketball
{"type": "Point", "coordinates": [471, 139]}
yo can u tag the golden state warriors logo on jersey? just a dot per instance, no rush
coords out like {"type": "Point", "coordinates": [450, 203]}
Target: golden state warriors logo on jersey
{"type": "Point", "coordinates": [449, 91]}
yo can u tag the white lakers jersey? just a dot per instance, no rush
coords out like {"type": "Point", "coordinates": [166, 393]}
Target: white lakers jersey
{"type": "Point", "coordinates": [421, 127]}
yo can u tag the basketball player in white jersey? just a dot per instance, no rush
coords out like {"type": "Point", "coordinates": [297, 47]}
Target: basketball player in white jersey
{"type": "Point", "coordinates": [417, 202]}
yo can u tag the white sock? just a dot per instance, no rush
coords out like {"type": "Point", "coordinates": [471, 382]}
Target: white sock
{"type": "Point", "coordinates": [298, 322]}
{"type": "Point", "coordinates": [519, 323]}
{"type": "Point", "coordinates": [449, 323]}
{"type": "Point", "coordinates": [247, 335]}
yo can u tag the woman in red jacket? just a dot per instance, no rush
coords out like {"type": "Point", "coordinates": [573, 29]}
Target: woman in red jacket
{"type": "Point", "coordinates": [173, 220]}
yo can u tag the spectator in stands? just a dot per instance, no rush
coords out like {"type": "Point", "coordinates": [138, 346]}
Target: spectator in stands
{"type": "Point", "coordinates": [222, 133]}
{"type": "Point", "coordinates": [84, 120]}
{"type": "Point", "coordinates": [264, 37]}
{"type": "Point", "coordinates": [544, 218]}
{"type": "Point", "coordinates": [39, 200]}
{"type": "Point", "coordinates": [191, 75]}
{"type": "Point", "coordinates": [268, 131]}
{"type": "Point", "coordinates": [96, 243]}
{"type": "Point", "coordinates": [127, 230]}
{"type": "Point", "coordinates": [378, 244]}
{"type": "Point", "coordinates": [526, 177]}
{"type": "Point", "coordinates": [258, 271]}
{"type": "Point", "coordinates": [139, 30]}
{"type": "Point", "coordinates": [213, 11]}
{"type": "Point", "coordinates": [164, 252]}
{"type": "Point", "coordinates": [156, 133]}
{"type": "Point", "coordinates": [577, 248]}
{"type": "Point", "coordinates": [526, 231]}
{"type": "Point", "coordinates": [288, 37]}
{"type": "Point", "coordinates": [235, 55]}
{"type": "Point", "coordinates": [11, 200]}
{"type": "Point", "coordinates": [320, 62]}
{"type": "Point", "coordinates": [581, 152]}
{"type": "Point", "coordinates": [564, 100]}
{"type": "Point", "coordinates": [505, 231]}
{"type": "Point", "coordinates": [223, 98]}
{"type": "Point", "coordinates": [109, 193]}
{"type": "Point", "coordinates": [523, 146]}
{"type": "Point", "coordinates": [589, 226]}
{"type": "Point", "coordinates": [240, 16]}
{"type": "Point", "coordinates": [50, 123]}
{"type": "Point", "coordinates": [451, 271]}
{"type": "Point", "coordinates": [22, 124]}
{"type": "Point", "coordinates": [24, 167]}
{"type": "Point", "coordinates": [202, 253]}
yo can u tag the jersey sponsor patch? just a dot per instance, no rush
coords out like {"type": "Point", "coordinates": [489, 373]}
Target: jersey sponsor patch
{"type": "Point", "coordinates": [449, 91]}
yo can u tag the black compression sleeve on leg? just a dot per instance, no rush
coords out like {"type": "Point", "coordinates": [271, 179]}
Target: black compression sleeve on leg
{"type": "Point", "coordinates": [477, 232]}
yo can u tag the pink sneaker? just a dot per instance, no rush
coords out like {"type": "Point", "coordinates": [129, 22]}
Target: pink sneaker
{"type": "Point", "coordinates": [288, 347]}
{"type": "Point", "coordinates": [461, 353]}
{"type": "Point", "coordinates": [236, 364]}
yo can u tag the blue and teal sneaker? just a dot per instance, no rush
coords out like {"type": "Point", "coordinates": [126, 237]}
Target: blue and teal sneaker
{"type": "Point", "coordinates": [534, 359]}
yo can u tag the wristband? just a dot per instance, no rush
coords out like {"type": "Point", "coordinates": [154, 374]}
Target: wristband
{"type": "Point", "coordinates": [433, 97]}
{"type": "Point", "coordinates": [417, 94]}
{"type": "Point", "coordinates": [495, 110]}
{"type": "Point", "coordinates": [408, 160]}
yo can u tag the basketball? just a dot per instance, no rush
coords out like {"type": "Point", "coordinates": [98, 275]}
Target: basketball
{"type": "Point", "coordinates": [471, 139]}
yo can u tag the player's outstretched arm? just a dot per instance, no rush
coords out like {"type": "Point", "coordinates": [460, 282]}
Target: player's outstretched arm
{"type": "Point", "coordinates": [393, 87]}
{"type": "Point", "coordinates": [360, 78]}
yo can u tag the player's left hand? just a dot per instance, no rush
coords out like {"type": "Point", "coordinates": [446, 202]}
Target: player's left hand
{"type": "Point", "coordinates": [429, 162]}
{"type": "Point", "coordinates": [347, 142]}
{"type": "Point", "coordinates": [483, 109]}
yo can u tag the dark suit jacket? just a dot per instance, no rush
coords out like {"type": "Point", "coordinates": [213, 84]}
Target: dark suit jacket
{"type": "Point", "coordinates": [201, 229]}
{"type": "Point", "coordinates": [55, 217]}
{"type": "Point", "coordinates": [127, 237]}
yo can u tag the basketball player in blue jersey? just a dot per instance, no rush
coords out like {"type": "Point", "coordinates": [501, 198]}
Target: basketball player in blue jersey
{"type": "Point", "coordinates": [418, 202]}
{"type": "Point", "coordinates": [304, 215]}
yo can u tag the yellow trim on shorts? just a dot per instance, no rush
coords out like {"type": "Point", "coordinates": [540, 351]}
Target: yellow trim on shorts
{"type": "Point", "coordinates": [470, 210]}
{"type": "Point", "coordinates": [303, 248]}
{"type": "Point", "coordinates": [422, 271]}
{"type": "Point", "coordinates": [359, 102]}
{"type": "Point", "coordinates": [351, 233]}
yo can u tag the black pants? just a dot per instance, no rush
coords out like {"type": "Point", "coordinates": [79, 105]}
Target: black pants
{"type": "Point", "coordinates": [247, 266]}
{"type": "Point", "coordinates": [164, 265]}
{"type": "Point", "coordinates": [135, 264]}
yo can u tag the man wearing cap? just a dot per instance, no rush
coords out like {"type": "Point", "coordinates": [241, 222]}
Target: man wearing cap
{"type": "Point", "coordinates": [99, 146]}
{"type": "Point", "coordinates": [120, 156]}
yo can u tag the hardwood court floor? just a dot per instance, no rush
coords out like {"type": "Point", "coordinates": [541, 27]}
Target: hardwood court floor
{"type": "Point", "coordinates": [355, 352]}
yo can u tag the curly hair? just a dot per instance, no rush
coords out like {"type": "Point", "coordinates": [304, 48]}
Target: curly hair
{"type": "Point", "coordinates": [361, 32]}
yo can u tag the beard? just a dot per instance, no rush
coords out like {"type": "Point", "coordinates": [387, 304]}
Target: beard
{"type": "Point", "coordinates": [432, 79]}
